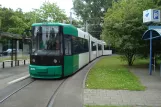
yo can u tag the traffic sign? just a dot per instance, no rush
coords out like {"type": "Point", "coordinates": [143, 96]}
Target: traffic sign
{"type": "Point", "coordinates": [151, 15]}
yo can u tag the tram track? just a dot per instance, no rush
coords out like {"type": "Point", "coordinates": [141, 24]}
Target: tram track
{"type": "Point", "coordinates": [13, 89]}
{"type": "Point", "coordinates": [37, 93]}
{"type": "Point", "coordinates": [49, 93]}
{"type": "Point", "coordinates": [14, 92]}
{"type": "Point", "coordinates": [52, 99]}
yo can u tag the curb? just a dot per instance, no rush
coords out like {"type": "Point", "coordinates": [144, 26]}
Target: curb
{"type": "Point", "coordinates": [84, 80]}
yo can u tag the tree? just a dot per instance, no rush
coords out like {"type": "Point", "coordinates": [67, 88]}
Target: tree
{"type": "Point", "coordinates": [19, 22]}
{"type": "Point", "coordinates": [123, 27]}
{"type": "Point", "coordinates": [157, 2]}
{"type": "Point", "coordinates": [92, 11]}
{"type": "Point", "coordinates": [50, 11]}
{"type": "Point", "coordinates": [5, 15]}
{"type": "Point", "coordinates": [77, 23]}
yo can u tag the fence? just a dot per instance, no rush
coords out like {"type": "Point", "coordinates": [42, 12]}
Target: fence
{"type": "Point", "coordinates": [22, 59]}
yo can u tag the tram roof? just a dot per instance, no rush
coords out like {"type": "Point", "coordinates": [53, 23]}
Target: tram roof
{"type": "Point", "coordinates": [68, 29]}
{"type": "Point", "coordinates": [51, 24]}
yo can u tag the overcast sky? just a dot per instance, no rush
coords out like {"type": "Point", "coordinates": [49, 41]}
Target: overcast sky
{"type": "Point", "coordinates": [27, 5]}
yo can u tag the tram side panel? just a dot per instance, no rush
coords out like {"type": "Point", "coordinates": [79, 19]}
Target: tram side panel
{"type": "Point", "coordinates": [99, 49]}
{"type": "Point", "coordinates": [84, 55]}
{"type": "Point", "coordinates": [102, 49]}
{"type": "Point", "coordinates": [93, 50]}
{"type": "Point", "coordinates": [83, 59]}
{"type": "Point", "coordinates": [93, 55]}
{"type": "Point", "coordinates": [90, 48]}
{"type": "Point", "coordinates": [96, 50]}
{"type": "Point", "coordinates": [71, 64]}
{"type": "Point", "coordinates": [80, 53]}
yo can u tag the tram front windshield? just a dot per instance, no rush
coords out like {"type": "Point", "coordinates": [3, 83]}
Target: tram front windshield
{"type": "Point", "coordinates": [47, 40]}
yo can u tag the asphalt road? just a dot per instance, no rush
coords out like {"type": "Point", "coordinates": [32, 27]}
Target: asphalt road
{"type": "Point", "coordinates": [36, 94]}
{"type": "Point", "coordinates": [47, 93]}
{"type": "Point", "coordinates": [70, 93]}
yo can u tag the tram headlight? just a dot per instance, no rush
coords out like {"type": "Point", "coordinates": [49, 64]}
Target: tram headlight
{"type": "Point", "coordinates": [33, 60]}
{"type": "Point", "coordinates": [55, 61]}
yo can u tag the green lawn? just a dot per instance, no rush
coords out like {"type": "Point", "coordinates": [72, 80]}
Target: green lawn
{"type": "Point", "coordinates": [141, 63]}
{"type": "Point", "coordinates": [110, 73]}
{"type": "Point", "coordinates": [144, 63]}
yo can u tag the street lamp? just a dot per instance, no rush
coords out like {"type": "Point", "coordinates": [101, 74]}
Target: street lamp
{"type": "Point", "coordinates": [86, 26]}
{"type": "Point", "coordinates": [71, 16]}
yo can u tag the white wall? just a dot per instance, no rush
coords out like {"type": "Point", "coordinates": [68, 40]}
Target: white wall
{"type": "Point", "coordinates": [107, 52]}
{"type": "Point", "coordinates": [25, 48]}
{"type": "Point", "coordinates": [18, 44]}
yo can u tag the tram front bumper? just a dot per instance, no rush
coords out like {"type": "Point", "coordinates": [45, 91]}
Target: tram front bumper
{"type": "Point", "coordinates": [45, 71]}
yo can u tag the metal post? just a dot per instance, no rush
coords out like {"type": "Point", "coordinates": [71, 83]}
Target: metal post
{"type": "Point", "coordinates": [3, 65]}
{"type": "Point", "coordinates": [160, 69]}
{"type": "Point", "coordinates": [154, 64]}
{"type": "Point", "coordinates": [70, 17]}
{"type": "Point", "coordinates": [35, 17]}
{"type": "Point", "coordinates": [12, 54]}
{"type": "Point", "coordinates": [86, 26]}
{"type": "Point", "coordinates": [18, 62]}
{"type": "Point", "coordinates": [150, 64]}
{"type": "Point", "coordinates": [15, 52]}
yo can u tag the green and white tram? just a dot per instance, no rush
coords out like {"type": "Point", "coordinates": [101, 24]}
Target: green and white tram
{"type": "Point", "coordinates": [59, 50]}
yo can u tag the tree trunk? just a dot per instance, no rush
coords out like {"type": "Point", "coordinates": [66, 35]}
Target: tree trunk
{"type": "Point", "coordinates": [130, 59]}
{"type": "Point", "coordinates": [130, 63]}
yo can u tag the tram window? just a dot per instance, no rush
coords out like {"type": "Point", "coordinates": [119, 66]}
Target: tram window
{"type": "Point", "coordinates": [80, 45]}
{"type": "Point", "coordinates": [67, 41]}
{"type": "Point", "coordinates": [76, 45]}
{"type": "Point", "coordinates": [86, 48]}
{"type": "Point", "coordinates": [93, 46]}
{"type": "Point", "coordinates": [99, 47]}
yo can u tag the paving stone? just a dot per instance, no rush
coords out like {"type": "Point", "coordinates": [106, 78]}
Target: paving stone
{"type": "Point", "coordinates": [102, 102]}
{"type": "Point", "coordinates": [115, 103]}
{"type": "Point", "coordinates": [88, 102]}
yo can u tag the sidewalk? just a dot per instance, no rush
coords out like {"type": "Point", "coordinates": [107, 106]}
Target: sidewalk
{"type": "Point", "coordinates": [7, 75]}
{"type": "Point", "coordinates": [150, 97]}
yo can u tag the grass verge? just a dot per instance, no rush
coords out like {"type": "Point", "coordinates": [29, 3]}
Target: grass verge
{"type": "Point", "coordinates": [109, 73]}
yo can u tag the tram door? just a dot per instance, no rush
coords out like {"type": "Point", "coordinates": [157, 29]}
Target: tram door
{"type": "Point", "coordinates": [67, 41]}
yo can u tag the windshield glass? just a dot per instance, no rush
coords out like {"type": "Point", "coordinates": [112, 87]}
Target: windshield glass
{"type": "Point", "coordinates": [47, 40]}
